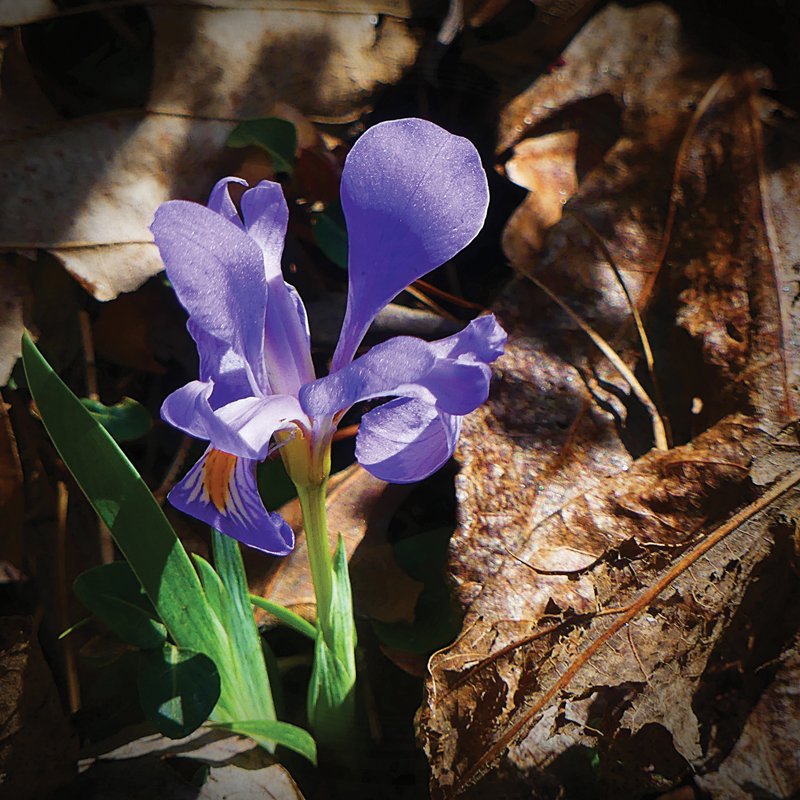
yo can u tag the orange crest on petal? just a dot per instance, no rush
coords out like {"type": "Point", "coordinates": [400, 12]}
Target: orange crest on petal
{"type": "Point", "coordinates": [217, 473]}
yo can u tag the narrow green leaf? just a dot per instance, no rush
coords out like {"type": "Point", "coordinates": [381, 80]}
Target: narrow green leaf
{"type": "Point", "coordinates": [178, 689]}
{"type": "Point", "coordinates": [125, 504]}
{"type": "Point", "coordinates": [277, 137]}
{"type": "Point", "coordinates": [331, 690]}
{"type": "Point", "coordinates": [284, 733]}
{"type": "Point", "coordinates": [247, 662]}
{"type": "Point", "coordinates": [125, 420]}
{"type": "Point", "coordinates": [285, 616]}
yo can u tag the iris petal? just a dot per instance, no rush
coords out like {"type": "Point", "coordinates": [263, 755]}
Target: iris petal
{"type": "Point", "coordinates": [413, 196]}
{"type": "Point", "coordinates": [217, 271]}
{"type": "Point", "coordinates": [406, 440]}
{"type": "Point", "coordinates": [287, 348]}
{"type": "Point", "coordinates": [409, 367]}
{"type": "Point", "coordinates": [243, 427]}
{"type": "Point", "coordinates": [221, 491]}
{"type": "Point", "coordinates": [220, 200]}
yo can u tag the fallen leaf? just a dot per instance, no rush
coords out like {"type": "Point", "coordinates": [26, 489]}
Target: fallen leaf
{"type": "Point", "coordinates": [38, 750]}
{"type": "Point", "coordinates": [154, 765]}
{"type": "Point", "coordinates": [612, 593]}
{"type": "Point", "coordinates": [87, 191]}
{"type": "Point", "coordinates": [13, 13]}
{"type": "Point", "coordinates": [12, 500]}
{"type": "Point", "coordinates": [326, 64]}
{"type": "Point", "coordinates": [766, 759]}
{"type": "Point", "coordinates": [13, 292]}
{"type": "Point", "coordinates": [544, 165]}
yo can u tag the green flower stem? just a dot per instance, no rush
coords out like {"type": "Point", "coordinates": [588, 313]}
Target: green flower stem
{"type": "Point", "coordinates": [315, 523]}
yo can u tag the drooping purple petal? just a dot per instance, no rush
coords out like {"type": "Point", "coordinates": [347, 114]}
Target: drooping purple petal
{"type": "Point", "coordinates": [449, 373]}
{"type": "Point", "coordinates": [287, 348]}
{"type": "Point", "coordinates": [217, 271]}
{"type": "Point", "coordinates": [242, 428]}
{"type": "Point", "coordinates": [413, 196]}
{"type": "Point", "coordinates": [406, 440]}
{"type": "Point", "coordinates": [483, 340]}
{"type": "Point", "coordinates": [221, 491]}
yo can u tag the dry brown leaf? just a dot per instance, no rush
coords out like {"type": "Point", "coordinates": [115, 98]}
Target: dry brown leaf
{"type": "Point", "coordinates": [14, 12]}
{"type": "Point", "coordinates": [140, 767]}
{"type": "Point", "coordinates": [38, 750]}
{"type": "Point", "coordinates": [236, 63]}
{"type": "Point", "coordinates": [12, 500]}
{"type": "Point", "coordinates": [765, 761]}
{"type": "Point", "coordinates": [611, 595]}
{"type": "Point", "coordinates": [359, 509]}
{"type": "Point", "coordinates": [87, 191]}
{"type": "Point", "coordinates": [13, 292]}
{"type": "Point", "coordinates": [544, 165]}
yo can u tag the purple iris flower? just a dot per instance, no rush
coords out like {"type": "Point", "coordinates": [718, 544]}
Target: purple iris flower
{"type": "Point", "coordinates": [413, 196]}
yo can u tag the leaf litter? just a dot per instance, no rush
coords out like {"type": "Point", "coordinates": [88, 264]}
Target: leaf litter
{"type": "Point", "coordinates": [631, 615]}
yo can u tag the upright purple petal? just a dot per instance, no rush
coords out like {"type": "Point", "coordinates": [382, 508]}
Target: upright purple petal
{"type": "Point", "coordinates": [219, 364]}
{"type": "Point", "coordinates": [406, 440]}
{"type": "Point", "coordinates": [266, 216]}
{"type": "Point", "coordinates": [220, 200]}
{"type": "Point", "coordinates": [221, 491]}
{"type": "Point", "coordinates": [413, 196]}
{"type": "Point", "coordinates": [287, 347]}
{"type": "Point", "coordinates": [217, 271]}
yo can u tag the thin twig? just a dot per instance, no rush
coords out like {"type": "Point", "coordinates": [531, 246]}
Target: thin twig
{"type": "Point", "coordinates": [451, 298]}
{"type": "Point", "coordinates": [637, 318]}
{"type": "Point", "coordinates": [88, 355]}
{"type": "Point", "coordinates": [426, 301]}
{"type": "Point", "coordinates": [62, 506]}
{"type": "Point", "coordinates": [174, 468]}
{"type": "Point", "coordinates": [659, 432]}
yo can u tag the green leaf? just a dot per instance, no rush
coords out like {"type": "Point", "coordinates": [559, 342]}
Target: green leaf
{"type": "Point", "coordinates": [284, 733]}
{"type": "Point", "coordinates": [126, 505]}
{"type": "Point", "coordinates": [113, 594]}
{"type": "Point", "coordinates": [178, 689]}
{"type": "Point", "coordinates": [331, 690]}
{"type": "Point", "coordinates": [285, 616]}
{"type": "Point", "coordinates": [330, 234]}
{"type": "Point", "coordinates": [436, 622]}
{"type": "Point", "coordinates": [253, 695]}
{"type": "Point", "coordinates": [277, 137]}
{"type": "Point", "coordinates": [125, 420]}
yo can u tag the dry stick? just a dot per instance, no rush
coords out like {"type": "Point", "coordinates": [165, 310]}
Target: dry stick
{"type": "Point", "coordinates": [452, 298]}
{"type": "Point", "coordinates": [672, 208]}
{"type": "Point", "coordinates": [106, 542]}
{"type": "Point", "coordinates": [643, 601]}
{"type": "Point", "coordinates": [426, 301]}
{"type": "Point", "coordinates": [659, 432]}
{"type": "Point", "coordinates": [88, 355]}
{"type": "Point", "coordinates": [73, 686]}
{"type": "Point", "coordinates": [772, 241]}
{"type": "Point", "coordinates": [645, 342]}
{"type": "Point", "coordinates": [172, 473]}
